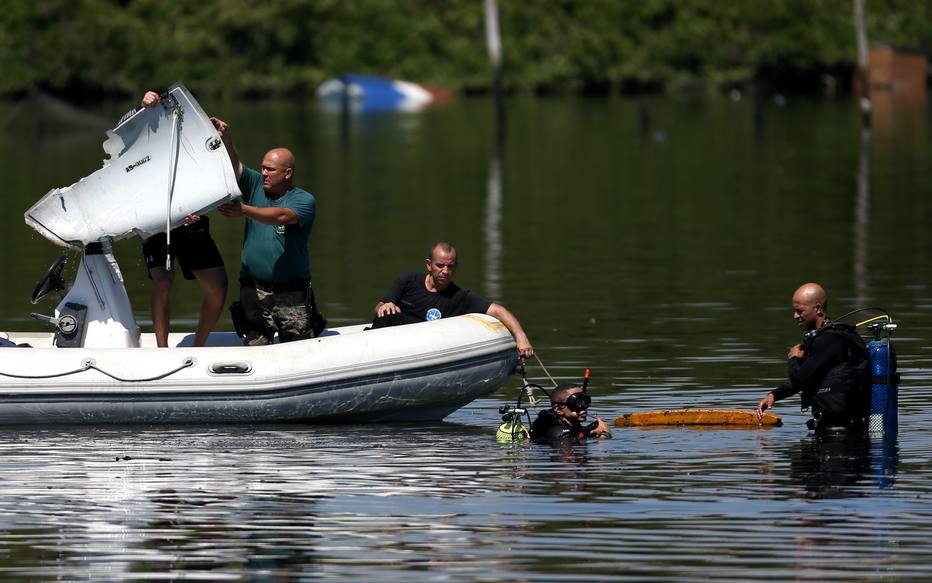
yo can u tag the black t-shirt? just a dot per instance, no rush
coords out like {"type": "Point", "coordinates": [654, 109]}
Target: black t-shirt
{"type": "Point", "coordinates": [409, 293]}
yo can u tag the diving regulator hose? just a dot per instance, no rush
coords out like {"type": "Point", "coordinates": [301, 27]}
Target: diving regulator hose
{"type": "Point", "coordinates": [513, 427]}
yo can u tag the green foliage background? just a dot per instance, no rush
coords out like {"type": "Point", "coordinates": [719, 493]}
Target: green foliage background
{"type": "Point", "coordinates": [287, 47]}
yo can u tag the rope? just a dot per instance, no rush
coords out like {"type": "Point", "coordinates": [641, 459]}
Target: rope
{"type": "Point", "coordinates": [527, 388]}
{"type": "Point", "coordinates": [47, 376]}
{"type": "Point", "coordinates": [171, 188]}
{"type": "Point", "coordinates": [545, 370]}
{"type": "Point", "coordinates": [89, 365]}
{"type": "Point", "coordinates": [184, 364]}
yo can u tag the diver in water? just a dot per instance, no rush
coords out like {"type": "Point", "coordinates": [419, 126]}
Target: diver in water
{"type": "Point", "coordinates": [569, 407]}
{"type": "Point", "coordinates": [831, 368]}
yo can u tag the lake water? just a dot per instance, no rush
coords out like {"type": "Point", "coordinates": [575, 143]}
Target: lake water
{"type": "Point", "coordinates": [656, 242]}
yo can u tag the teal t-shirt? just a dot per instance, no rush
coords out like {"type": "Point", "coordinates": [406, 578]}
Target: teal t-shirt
{"type": "Point", "coordinates": [276, 253]}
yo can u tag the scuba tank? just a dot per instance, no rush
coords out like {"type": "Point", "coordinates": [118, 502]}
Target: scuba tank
{"type": "Point", "coordinates": [513, 427]}
{"type": "Point", "coordinates": [884, 382]}
{"type": "Point", "coordinates": [882, 418]}
{"type": "Point", "coordinates": [883, 423]}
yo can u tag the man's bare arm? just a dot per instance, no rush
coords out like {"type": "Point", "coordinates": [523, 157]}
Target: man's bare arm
{"type": "Point", "coordinates": [267, 215]}
{"type": "Point", "coordinates": [525, 350]}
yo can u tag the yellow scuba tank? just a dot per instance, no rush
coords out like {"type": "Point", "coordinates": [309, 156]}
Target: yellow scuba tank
{"type": "Point", "coordinates": [512, 428]}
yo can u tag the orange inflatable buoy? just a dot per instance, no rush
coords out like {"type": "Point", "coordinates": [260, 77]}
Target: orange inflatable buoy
{"type": "Point", "coordinates": [699, 418]}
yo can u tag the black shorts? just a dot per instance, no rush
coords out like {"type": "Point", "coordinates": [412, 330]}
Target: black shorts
{"type": "Point", "coordinates": [192, 246]}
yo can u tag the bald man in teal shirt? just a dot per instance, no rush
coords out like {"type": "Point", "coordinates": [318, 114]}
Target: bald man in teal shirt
{"type": "Point", "coordinates": [275, 274]}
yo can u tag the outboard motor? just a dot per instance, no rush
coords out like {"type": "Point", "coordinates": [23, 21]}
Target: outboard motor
{"type": "Point", "coordinates": [96, 312]}
{"type": "Point", "coordinates": [884, 381]}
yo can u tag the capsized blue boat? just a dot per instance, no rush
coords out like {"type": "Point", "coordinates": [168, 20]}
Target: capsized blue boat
{"type": "Point", "coordinates": [372, 93]}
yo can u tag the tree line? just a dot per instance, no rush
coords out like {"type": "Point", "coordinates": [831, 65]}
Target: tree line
{"type": "Point", "coordinates": [242, 48]}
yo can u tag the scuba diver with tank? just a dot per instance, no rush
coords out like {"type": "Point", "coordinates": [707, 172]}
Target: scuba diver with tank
{"type": "Point", "coordinates": [569, 409]}
{"type": "Point", "coordinates": [831, 368]}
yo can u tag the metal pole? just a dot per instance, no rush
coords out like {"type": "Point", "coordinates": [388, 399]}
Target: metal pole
{"type": "Point", "coordinates": [863, 76]}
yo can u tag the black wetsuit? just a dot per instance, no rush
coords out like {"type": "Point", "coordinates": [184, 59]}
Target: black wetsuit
{"type": "Point", "coordinates": [833, 377]}
{"type": "Point", "coordinates": [547, 427]}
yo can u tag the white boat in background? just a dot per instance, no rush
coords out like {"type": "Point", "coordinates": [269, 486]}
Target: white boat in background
{"type": "Point", "coordinates": [96, 367]}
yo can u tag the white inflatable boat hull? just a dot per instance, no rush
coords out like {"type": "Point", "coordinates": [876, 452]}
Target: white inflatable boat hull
{"type": "Point", "coordinates": [418, 372]}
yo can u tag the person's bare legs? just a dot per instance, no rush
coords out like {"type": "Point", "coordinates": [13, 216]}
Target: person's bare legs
{"type": "Point", "coordinates": [214, 283]}
{"type": "Point", "coordinates": [160, 302]}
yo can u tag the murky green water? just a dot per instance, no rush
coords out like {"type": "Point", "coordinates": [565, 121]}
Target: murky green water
{"type": "Point", "coordinates": [656, 242]}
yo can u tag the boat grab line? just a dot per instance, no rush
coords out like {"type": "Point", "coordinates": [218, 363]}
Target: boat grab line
{"type": "Point", "coordinates": [89, 364]}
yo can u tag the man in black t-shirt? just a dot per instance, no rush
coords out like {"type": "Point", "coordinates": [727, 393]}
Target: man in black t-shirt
{"type": "Point", "coordinates": [414, 297]}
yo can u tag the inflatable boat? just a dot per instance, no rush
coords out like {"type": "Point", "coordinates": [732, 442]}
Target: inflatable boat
{"type": "Point", "coordinates": [94, 366]}
{"type": "Point", "coordinates": [419, 372]}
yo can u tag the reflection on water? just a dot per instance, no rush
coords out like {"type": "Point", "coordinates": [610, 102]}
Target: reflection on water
{"type": "Point", "coordinates": [664, 264]}
{"type": "Point", "coordinates": [447, 500]}
{"type": "Point", "coordinates": [862, 214]}
{"type": "Point", "coordinates": [493, 234]}
{"type": "Point", "coordinates": [836, 466]}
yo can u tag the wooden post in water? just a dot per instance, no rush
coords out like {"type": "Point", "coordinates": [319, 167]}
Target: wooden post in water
{"type": "Point", "coordinates": [863, 78]}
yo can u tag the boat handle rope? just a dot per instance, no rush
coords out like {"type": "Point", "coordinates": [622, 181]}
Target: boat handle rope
{"type": "Point", "coordinates": [546, 372]}
{"type": "Point", "coordinates": [529, 385]}
{"type": "Point", "coordinates": [90, 364]}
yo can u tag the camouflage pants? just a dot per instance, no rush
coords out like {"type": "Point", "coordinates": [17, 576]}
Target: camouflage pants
{"type": "Point", "coordinates": [290, 313]}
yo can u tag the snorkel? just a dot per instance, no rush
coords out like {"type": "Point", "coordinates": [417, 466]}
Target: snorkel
{"type": "Point", "coordinates": [585, 387]}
